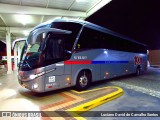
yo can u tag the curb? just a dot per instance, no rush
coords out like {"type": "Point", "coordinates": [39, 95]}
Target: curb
{"type": "Point", "coordinates": [96, 102]}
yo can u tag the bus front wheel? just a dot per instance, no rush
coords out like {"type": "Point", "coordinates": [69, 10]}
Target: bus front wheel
{"type": "Point", "coordinates": [83, 80]}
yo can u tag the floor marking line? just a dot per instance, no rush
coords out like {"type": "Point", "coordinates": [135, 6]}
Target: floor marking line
{"type": "Point", "coordinates": [86, 91]}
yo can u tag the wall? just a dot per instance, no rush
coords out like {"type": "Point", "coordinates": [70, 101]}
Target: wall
{"type": "Point", "coordinates": [154, 57]}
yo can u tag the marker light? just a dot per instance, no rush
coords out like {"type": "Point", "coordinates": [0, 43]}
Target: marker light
{"type": "Point", "coordinates": [107, 73]}
{"type": "Point", "coordinates": [32, 76]}
{"type": "Point", "coordinates": [68, 78]}
{"type": "Point", "coordinates": [105, 52]}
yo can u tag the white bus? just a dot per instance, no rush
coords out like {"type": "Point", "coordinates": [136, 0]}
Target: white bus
{"type": "Point", "coordinates": [64, 53]}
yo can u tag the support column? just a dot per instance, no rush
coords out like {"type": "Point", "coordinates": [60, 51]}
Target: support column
{"type": "Point", "coordinates": [9, 62]}
{"type": "Point", "coordinates": [15, 58]}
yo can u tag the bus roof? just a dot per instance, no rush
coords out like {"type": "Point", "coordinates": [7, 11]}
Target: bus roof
{"type": "Point", "coordinates": [90, 25]}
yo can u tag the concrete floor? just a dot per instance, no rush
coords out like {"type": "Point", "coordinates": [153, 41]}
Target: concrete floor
{"type": "Point", "coordinates": [140, 93]}
{"type": "Point", "coordinates": [13, 97]}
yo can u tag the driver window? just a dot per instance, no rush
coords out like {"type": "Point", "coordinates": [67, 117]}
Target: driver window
{"type": "Point", "coordinates": [54, 48]}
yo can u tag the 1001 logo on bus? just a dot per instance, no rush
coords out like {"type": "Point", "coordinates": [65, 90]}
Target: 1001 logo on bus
{"type": "Point", "coordinates": [137, 60]}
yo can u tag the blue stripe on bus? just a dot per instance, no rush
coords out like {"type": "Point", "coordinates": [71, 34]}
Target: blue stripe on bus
{"type": "Point", "coordinates": [108, 62]}
{"type": "Point", "coordinates": [98, 62]}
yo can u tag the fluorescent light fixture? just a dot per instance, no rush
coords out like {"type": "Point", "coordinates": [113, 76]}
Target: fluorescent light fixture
{"type": "Point", "coordinates": [24, 19]}
{"type": "Point", "coordinates": [26, 33]}
{"type": "Point", "coordinates": [58, 17]}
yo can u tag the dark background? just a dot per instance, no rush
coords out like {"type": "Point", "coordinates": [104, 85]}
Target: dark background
{"type": "Point", "coordinates": [137, 19]}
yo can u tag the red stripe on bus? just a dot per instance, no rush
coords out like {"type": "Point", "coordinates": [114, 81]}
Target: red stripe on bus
{"type": "Point", "coordinates": [50, 86]}
{"type": "Point", "coordinates": [77, 62]}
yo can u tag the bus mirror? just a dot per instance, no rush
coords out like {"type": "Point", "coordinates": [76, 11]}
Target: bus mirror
{"type": "Point", "coordinates": [17, 41]}
{"type": "Point", "coordinates": [45, 30]}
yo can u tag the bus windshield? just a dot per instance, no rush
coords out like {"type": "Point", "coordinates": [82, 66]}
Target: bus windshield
{"type": "Point", "coordinates": [48, 49]}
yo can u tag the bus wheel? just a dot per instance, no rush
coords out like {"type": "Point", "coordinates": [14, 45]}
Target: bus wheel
{"type": "Point", "coordinates": [138, 71]}
{"type": "Point", "coordinates": [83, 80]}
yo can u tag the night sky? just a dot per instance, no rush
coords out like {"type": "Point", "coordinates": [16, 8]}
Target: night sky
{"type": "Point", "coordinates": [137, 19]}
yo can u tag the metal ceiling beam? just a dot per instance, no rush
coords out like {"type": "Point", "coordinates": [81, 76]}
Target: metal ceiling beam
{"type": "Point", "coordinates": [46, 7]}
{"type": "Point", "coordinates": [71, 4]}
{"type": "Point", "coordinates": [4, 41]}
{"type": "Point", "coordinates": [16, 29]}
{"type": "Point", "coordinates": [20, 2]}
{"type": "Point", "coordinates": [97, 6]}
{"type": "Point", "coordinates": [3, 20]}
{"type": "Point", "coordinates": [17, 9]}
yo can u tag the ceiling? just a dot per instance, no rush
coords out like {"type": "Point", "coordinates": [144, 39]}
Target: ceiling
{"type": "Point", "coordinates": [20, 16]}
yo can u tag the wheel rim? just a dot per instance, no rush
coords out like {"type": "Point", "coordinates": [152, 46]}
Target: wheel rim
{"type": "Point", "coordinates": [83, 81]}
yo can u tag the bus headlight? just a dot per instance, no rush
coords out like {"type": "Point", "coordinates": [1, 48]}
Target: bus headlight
{"type": "Point", "coordinates": [35, 86]}
{"type": "Point", "coordinates": [32, 76]}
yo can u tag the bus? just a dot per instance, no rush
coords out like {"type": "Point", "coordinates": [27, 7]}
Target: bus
{"type": "Point", "coordinates": [63, 53]}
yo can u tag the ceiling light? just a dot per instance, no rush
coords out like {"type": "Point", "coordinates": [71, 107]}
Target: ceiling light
{"type": "Point", "coordinates": [24, 19]}
{"type": "Point", "coordinates": [58, 17]}
{"type": "Point", "coordinates": [26, 33]}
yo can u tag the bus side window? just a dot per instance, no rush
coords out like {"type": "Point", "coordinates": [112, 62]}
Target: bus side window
{"type": "Point", "coordinates": [88, 39]}
{"type": "Point", "coordinates": [54, 47]}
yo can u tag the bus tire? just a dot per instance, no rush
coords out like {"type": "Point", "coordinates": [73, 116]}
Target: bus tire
{"type": "Point", "coordinates": [83, 80]}
{"type": "Point", "coordinates": [138, 71]}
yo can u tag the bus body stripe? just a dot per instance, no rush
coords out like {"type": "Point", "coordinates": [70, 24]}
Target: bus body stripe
{"type": "Point", "coordinates": [77, 62]}
{"type": "Point", "coordinates": [92, 62]}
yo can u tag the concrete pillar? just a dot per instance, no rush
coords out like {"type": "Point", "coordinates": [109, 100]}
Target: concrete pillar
{"type": "Point", "coordinates": [15, 57]}
{"type": "Point", "coordinates": [9, 62]}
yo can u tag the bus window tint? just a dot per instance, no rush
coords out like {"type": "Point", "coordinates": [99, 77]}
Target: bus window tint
{"type": "Point", "coordinates": [88, 39]}
{"type": "Point", "coordinates": [54, 51]}
{"type": "Point", "coordinates": [91, 38]}
{"type": "Point", "coordinates": [74, 27]}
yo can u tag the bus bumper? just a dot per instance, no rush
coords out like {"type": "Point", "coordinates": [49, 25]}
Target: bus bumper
{"type": "Point", "coordinates": [33, 85]}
